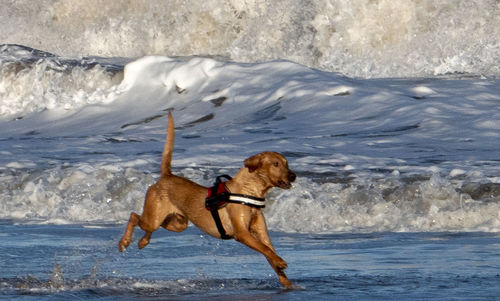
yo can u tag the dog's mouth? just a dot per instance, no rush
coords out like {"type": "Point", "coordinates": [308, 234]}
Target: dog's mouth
{"type": "Point", "coordinates": [284, 185]}
{"type": "Point", "coordinates": [287, 184]}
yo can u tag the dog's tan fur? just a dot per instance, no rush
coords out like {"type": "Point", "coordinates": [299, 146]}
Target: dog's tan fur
{"type": "Point", "coordinates": [173, 201]}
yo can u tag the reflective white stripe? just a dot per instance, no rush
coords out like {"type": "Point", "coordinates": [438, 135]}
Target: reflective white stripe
{"type": "Point", "coordinates": [245, 200]}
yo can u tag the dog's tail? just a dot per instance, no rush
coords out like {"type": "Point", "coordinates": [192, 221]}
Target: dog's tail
{"type": "Point", "coordinates": [166, 158]}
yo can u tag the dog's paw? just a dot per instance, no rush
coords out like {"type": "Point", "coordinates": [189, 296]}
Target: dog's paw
{"type": "Point", "coordinates": [143, 242]}
{"type": "Point", "coordinates": [123, 244]}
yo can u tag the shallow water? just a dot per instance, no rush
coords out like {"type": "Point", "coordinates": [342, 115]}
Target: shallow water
{"type": "Point", "coordinates": [50, 262]}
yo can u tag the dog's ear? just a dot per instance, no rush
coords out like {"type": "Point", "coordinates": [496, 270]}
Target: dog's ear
{"type": "Point", "coordinates": [253, 163]}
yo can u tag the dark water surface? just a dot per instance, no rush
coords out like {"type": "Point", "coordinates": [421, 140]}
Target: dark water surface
{"type": "Point", "coordinates": [58, 262]}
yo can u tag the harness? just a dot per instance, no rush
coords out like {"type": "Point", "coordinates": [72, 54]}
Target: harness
{"type": "Point", "coordinates": [219, 196]}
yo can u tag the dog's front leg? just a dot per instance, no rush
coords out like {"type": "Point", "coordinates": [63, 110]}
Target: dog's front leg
{"type": "Point", "coordinates": [246, 238]}
{"type": "Point", "coordinates": [258, 228]}
{"type": "Point", "coordinates": [263, 246]}
{"type": "Point", "coordinates": [276, 262]}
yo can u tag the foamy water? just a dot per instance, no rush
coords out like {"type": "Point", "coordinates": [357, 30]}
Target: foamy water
{"type": "Point", "coordinates": [363, 38]}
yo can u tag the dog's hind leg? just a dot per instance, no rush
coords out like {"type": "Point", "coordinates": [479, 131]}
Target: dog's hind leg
{"type": "Point", "coordinates": [173, 222]}
{"type": "Point", "coordinates": [135, 220]}
{"type": "Point", "coordinates": [153, 215]}
{"type": "Point", "coordinates": [145, 240]}
{"type": "Point", "coordinates": [127, 237]}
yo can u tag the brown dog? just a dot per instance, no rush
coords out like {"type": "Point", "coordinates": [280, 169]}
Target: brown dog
{"type": "Point", "coordinates": [173, 201]}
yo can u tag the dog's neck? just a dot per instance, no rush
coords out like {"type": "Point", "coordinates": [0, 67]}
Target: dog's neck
{"type": "Point", "coordinates": [240, 184]}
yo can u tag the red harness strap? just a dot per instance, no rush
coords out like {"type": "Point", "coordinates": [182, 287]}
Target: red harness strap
{"type": "Point", "coordinates": [217, 196]}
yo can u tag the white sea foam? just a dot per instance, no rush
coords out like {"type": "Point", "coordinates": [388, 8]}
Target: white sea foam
{"type": "Point", "coordinates": [362, 38]}
{"type": "Point", "coordinates": [80, 194]}
{"type": "Point", "coordinates": [46, 85]}
{"type": "Point", "coordinates": [85, 194]}
{"type": "Point", "coordinates": [435, 204]}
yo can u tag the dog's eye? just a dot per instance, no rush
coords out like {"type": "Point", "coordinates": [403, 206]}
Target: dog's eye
{"type": "Point", "coordinates": [276, 164]}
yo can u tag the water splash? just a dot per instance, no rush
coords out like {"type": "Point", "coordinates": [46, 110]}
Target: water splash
{"type": "Point", "coordinates": [57, 278]}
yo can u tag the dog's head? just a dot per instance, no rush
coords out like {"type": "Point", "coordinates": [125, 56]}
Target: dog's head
{"type": "Point", "coordinates": [271, 167]}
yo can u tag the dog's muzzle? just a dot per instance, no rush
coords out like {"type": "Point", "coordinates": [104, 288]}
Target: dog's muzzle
{"type": "Point", "coordinates": [288, 183]}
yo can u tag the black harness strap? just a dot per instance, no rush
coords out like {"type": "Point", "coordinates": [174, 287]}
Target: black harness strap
{"type": "Point", "coordinates": [219, 196]}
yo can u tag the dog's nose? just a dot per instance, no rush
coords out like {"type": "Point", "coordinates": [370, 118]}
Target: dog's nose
{"type": "Point", "coordinates": [291, 177]}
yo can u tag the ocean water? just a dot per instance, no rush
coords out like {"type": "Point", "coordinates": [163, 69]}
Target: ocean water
{"type": "Point", "coordinates": [389, 113]}
{"type": "Point", "coordinates": [54, 262]}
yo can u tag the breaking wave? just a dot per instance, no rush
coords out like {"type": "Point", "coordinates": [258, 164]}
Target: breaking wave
{"type": "Point", "coordinates": [380, 38]}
